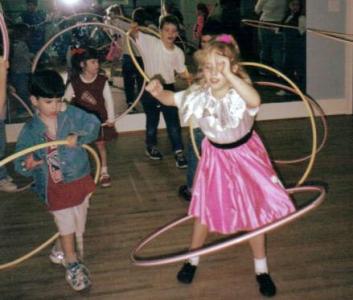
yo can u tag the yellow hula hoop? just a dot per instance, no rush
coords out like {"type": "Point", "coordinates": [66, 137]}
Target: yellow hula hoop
{"type": "Point", "coordinates": [337, 36]}
{"type": "Point", "coordinates": [56, 235]}
{"type": "Point", "coordinates": [308, 107]}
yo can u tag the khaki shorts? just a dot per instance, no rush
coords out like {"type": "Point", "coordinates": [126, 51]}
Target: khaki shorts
{"type": "Point", "coordinates": [73, 219]}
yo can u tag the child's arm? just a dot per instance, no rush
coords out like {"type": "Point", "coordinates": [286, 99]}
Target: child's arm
{"type": "Point", "coordinates": [155, 88]}
{"type": "Point", "coordinates": [109, 104]}
{"type": "Point", "coordinates": [86, 126]}
{"type": "Point", "coordinates": [245, 90]}
{"type": "Point", "coordinates": [3, 76]}
{"type": "Point", "coordinates": [69, 93]}
{"type": "Point", "coordinates": [25, 165]}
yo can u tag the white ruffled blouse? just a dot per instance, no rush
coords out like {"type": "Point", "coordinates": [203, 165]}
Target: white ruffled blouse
{"type": "Point", "coordinates": [223, 121]}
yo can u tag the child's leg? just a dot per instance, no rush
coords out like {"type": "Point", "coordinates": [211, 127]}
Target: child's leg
{"type": "Point", "coordinates": [187, 272]}
{"type": "Point", "coordinates": [103, 155]}
{"type": "Point", "coordinates": [199, 235]}
{"type": "Point", "coordinates": [257, 245]}
{"type": "Point", "coordinates": [68, 246]}
{"type": "Point", "coordinates": [266, 285]}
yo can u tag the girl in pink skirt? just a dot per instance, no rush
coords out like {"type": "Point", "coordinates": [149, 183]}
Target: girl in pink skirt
{"type": "Point", "coordinates": [235, 188]}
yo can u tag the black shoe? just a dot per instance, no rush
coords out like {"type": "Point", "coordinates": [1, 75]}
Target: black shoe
{"type": "Point", "coordinates": [154, 153]}
{"type": "Point", "coordinates": [266, 285]}
{"type": "Point", "coordinates": [186, 273]}
{"type": "Point", "coordinates": [185, 193]}
{"type": "Point", "coordinates": [180, 160]}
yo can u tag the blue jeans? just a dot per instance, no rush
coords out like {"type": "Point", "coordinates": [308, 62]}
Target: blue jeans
{"type": "Point", "coordinates": [192, 158]}
{"type": "Point", "coordinates": [271, 48]}
{"type": "Point", "coordinates": [3, 172]}
{"type": "Point", "coordinates": [152, 110]}
{"type": "Point", "coordinates": [132, 78]}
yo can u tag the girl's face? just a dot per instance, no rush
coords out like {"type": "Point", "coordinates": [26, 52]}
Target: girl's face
{"type": "Point", "coordinates": [169, 33]}
{"type": "Point", "coordinates": [48, 107]}
{"type": "Point", "coordinates": [213, 74]}
{"type": "Point", "coordinates": [91, 66]}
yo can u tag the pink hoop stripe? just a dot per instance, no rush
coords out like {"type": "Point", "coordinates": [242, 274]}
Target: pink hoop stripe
{"type": "Point", "coordinates": [171, 258]}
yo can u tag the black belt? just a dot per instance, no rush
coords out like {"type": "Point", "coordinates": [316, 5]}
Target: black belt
{"type": "Point", "coordinates": [238, 143]}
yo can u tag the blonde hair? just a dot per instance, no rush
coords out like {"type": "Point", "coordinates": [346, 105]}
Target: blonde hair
{"type": "Point", "coordinates": [228, 49]}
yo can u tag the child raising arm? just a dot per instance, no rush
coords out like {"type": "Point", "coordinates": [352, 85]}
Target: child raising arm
{"type": "Point", "coordinates": [244, 193]}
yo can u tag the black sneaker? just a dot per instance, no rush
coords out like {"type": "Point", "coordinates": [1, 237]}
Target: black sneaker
{"type": "Point", "coordinates": [186, 273]}
{"type": "Point", "coordinates": [185, 193]}
{"type": "Point", "coordinates": [180, 160]}
{"type": "Point", "coordinates": [154, 153]}
{"type": "Point", "coordinates": [266, 285]}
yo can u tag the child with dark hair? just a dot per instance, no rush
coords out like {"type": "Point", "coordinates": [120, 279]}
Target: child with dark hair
{"type": "Point", "coordinates": [90, 91]}
{"type": "Point", "coordinates": [61, 174]}
{"type": "Point", "coordinates": [162, 58]}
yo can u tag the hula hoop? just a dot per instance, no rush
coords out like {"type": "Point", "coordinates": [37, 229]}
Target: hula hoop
{"type": "Point", "coordinates": [314, 105]}
{"type": "Point", "coordinates": [24, 104]}
{"type": "Point", "coordinates": [5, 38]}
{"type": "Point", "coordinates": [54, 37]}
{"type": "Point", "coordinates": [30, 150]}
{"type": "Point", "coordinates": [338, 36]}
{"type": "Point", "coordinates": [307, 105]}
{"type": "Point", "coordinates": [175, 257]}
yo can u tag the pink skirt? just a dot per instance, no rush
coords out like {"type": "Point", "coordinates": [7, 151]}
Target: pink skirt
{"type": "Point", "coordinates": [237, 189]}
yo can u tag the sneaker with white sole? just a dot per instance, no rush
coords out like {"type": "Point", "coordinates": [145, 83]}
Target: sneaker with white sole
{"type": "Point", "coordinates": [6, 185]}
{"type": "Point", "coordinates": [77, 276]}
{"type": "Point", "coordinates": [153, 153]}
{"type": "Point", "coordinates": [180, 160]}
{"type": "Point", "coordinates": [105, 180]}
{"type": "Point", "coordinates": [57, 256]}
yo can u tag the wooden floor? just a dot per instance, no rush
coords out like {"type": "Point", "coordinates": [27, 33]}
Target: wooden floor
{"type": "Point", "coordinates": [308, 259]}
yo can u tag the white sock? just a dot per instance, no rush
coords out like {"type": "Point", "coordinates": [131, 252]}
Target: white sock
{"type": "Point", "coordinates": [260, 265]}
{"type": "Point", "coordinates": [104, 170]}
{"type": "Point", "coordinates": [194, 260]}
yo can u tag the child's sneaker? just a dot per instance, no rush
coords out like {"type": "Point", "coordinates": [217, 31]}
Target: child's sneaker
{"type": "Point", "coordinates": [57, 256]}
{"type": "Point", "coordinates": [180, 160]}
{"type": "Point", "coordinates": [105, 180]}
{"type": "Point", "coordinates": [154, 153]}
{"type": "Point", "coordinates": [77, 276]}
{"type": "Point", "coordinates": [6, 185]}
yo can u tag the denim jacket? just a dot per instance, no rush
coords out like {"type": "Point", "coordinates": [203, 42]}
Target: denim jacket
{"type": "Point", "coordinates": [74, 161]}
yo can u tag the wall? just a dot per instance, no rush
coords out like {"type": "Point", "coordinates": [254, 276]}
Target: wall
{"type": "Point", "coordinates": [326, 58]}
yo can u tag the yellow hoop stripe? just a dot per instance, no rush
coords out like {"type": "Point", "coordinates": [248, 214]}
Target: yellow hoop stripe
{"type": "Point", "coordinates": [30, 150]}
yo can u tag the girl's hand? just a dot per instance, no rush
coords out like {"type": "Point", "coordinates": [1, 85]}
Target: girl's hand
{"type": "Point", "coordinates": [71, 140]}
{"type": "Point", "coordinates": [154, 88]}
{"type": "Point", "coordinates": [109, 124]}
{"type": "Point", "coordinates": [223, 65]}
{"type": "Point", "coordinates": [30, 163]}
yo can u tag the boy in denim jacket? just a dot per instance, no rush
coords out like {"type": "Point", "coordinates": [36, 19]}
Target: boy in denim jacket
{"type": "Point", "coordinates": [61, 174]}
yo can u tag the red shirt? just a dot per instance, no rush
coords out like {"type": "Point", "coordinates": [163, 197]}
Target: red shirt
{"type": "Point", "coordinates": [64, 195]}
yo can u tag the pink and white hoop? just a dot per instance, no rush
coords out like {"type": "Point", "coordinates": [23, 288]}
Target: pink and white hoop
{"type": "Point", "coordinates": [175, 257]}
